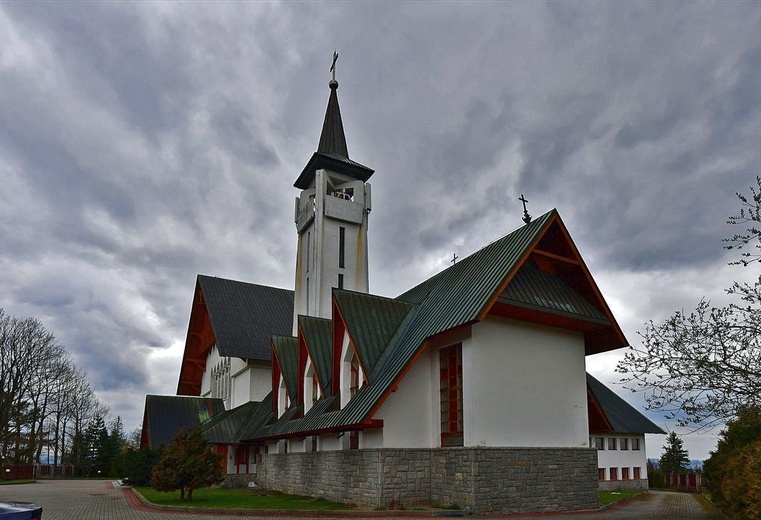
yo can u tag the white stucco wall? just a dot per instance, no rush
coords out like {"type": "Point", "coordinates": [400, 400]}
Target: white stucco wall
{"type": "Point", "coordinates": [619, 458]}
{"type": "Point", "coordinates": [407, 414]}
{"type": "Point", "coordinates": [524, 385]}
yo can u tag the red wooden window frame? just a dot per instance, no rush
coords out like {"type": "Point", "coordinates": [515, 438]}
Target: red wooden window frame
{"type": "Point", "coordinates": [354, 381]}
{"type": "Point", "coordinates": [613, 473]}
{"type": "Point", "coordinates": [637, 475]}
{"type": "Point", "coordinates": [600, 473]}
{"type": "Point", "coordinates": [624, 473]}
{"type": "Point", "coordinates": [450, 391]}
{"type": "Point", "coordinates": [241, 458]}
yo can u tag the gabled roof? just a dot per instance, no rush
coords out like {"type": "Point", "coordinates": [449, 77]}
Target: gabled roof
{"type": "Point", "coordinates": [466, 292]}
{"type": "Point", "coordinates": [244, 315]}
{"type": "Point", "coordinates": [258, 418]}
{"type": "Point", "coordinates": [166, 415]}
{"type": "Point", "coordinates": [620, 415]}
{"type": "Point", "coordinates": [239, 317]}
{"type": "Point", "coordinates": [371, 322]}
{"type": "Point", "coordinates": [286, 349]}
{"type": "Point", "coordinates": [317, 336]}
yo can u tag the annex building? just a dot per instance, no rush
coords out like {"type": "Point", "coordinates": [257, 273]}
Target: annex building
{"type": "Point", "coordinates": [469, 388]}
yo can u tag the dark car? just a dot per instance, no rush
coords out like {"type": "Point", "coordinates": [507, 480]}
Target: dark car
{"type": "Point", "coordinates": [20, 511]}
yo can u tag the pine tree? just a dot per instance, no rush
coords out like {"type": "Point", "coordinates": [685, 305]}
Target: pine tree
{"type": "Point", "coordinates": [188, 463]}
{"type": "Point", "coordinates": [675, 458]}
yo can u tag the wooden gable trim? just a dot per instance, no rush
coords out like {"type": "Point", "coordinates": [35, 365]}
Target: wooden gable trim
{"type": "Point", "coordinates": [599, 340]}
{"type": "Point", "coordinates": [200, 337]}
{"type": "Point", "coordinates": [595, 407]}
{"type": "Point", "coordinates": [522, 260]}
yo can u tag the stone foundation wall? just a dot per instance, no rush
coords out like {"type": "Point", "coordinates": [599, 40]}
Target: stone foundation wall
{"type": "Point", "coordinates": [484, 480]}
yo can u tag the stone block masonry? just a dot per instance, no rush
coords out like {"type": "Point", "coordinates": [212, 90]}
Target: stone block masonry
{"type": "Point", "coordinates": [485, 480]}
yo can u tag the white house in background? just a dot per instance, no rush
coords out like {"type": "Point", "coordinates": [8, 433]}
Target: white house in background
{"type": "Point", "coordinates": [474, 376]}
{"type": "Point", "coordinates": [617, 430]}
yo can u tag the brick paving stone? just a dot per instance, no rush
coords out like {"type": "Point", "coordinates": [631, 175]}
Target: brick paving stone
{"type": "Point", "coordinates": [103, 500]}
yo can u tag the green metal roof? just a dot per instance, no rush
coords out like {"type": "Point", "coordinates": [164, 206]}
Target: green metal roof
{"type": "Point", "coordinates": [454, 297]}
{"type": "Point", "coordinates": [318, 336]}
{"type": "Point", "coordinates": [287, 351]}
{"type": "Point", "coordinates": [535, 289]}
{"type": "Point", "coordinates": [371, 322]}
{"type": "Point", "coordinates": [262, 415]}
{"type": "Point", "coordinates": [226, 427]}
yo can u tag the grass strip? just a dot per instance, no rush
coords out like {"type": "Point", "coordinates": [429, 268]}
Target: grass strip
{"type": "Point", "coordinates": [609, 497]}
{"type": "Point", "coordinates": [240, 499]}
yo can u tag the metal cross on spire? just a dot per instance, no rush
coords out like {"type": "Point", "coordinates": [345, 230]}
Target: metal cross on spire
{"type": "Point", "coordinates": [454, 258]}
{"type": "Point", "coordinates": [526, 216]}
{"type": "Point", "coordinates": [333, 65]}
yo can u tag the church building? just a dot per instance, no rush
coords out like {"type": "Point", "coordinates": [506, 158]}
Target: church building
{"type": "Point", "coordinates": [469, 389]}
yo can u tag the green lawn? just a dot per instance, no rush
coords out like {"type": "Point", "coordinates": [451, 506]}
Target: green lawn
{"type": "Point", "coordinates": [14, 481]}
{"type": "Point", "coordinates": [239, 499]}
{"type": "Point", "coordinates": [608, 497]}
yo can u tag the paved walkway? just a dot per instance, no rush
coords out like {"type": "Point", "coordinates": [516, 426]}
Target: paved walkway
{"type": "Point", "coordinates": [102, 500]}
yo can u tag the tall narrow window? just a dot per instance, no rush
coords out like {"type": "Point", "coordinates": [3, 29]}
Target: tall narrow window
{"type": "Point", "coordinates": [307, 296]}
{"type": "Point", "coordinates": [315, 390]}
{"type": "Point", "coordinates": [340, 281]}
{"type": "Point", "coordinates": [354, 382]}
{"type": "Point", "coordinates": [450, 385]}
{"type": "Point", "coordinates": [341, 245]}
{"type": "Point", "coordinates": [309, 248]}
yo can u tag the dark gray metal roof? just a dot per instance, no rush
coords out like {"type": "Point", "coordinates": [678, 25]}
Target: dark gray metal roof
{"type": "Point", "coordinates": [318, 337]}
{"type": "Point", "coordinates": [166, 415]}
{"type": "Point", "coordinates": [332, 137]}
{"type": "Point", "coordinates": [244, 316]}
{"type": "Point", "coordinates": [332, 152]}
{"type": "Point", "coordinates": [536, 289]}
{"type": "Point", "coordinates": [622, 416]}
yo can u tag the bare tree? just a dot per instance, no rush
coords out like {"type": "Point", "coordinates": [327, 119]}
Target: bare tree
{"type": "Point", "coordinates": [702, 367]}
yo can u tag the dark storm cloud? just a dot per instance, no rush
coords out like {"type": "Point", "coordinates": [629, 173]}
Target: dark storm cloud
{"type": "Point", "coordinates": [141, 144]}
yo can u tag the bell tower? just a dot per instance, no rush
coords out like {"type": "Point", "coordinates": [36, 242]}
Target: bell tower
{"type": "Point", "coordinates": [331, 219]}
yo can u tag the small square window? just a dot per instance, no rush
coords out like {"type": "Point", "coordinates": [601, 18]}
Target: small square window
{"type": "Point", "coordinates": [637, 474]}
{"type": "Point", "coordinates": [600, 443]}
{"type": "Point", "coordinates": [635, 444]}
{"type": "Point", "coordinates": [601, 473]}
{"type": "Point", "coordinates": [611, 443]}
{"type": "Point", "coordinates": [624, 443]}
{"type": "Point", "coordinates": [624, 473]}
{"type": "Point", "coordinates": [613, 473]}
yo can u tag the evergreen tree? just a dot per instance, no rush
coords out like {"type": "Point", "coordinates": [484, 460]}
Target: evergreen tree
{"type": "Point", "coordinates": [188, 463]}
{"type": "Point", "coordinates": [733, 472]}
{"type": "Point", "coordinates": [675, 458]}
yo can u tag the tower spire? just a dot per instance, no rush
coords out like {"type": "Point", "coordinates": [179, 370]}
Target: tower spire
{"type": "Point", "coordinates": [332, 138]}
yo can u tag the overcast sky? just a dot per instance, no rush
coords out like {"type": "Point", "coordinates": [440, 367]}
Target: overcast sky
{"type": "Point", "coordinates": [144, 143]}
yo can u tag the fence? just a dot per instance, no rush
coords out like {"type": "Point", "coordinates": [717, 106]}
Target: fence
{"type": "Point", "coordinates": [683, 481]}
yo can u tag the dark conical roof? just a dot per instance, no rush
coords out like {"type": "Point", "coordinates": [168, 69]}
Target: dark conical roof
{"type": "Point", "coordinates": [332, 152]}
{"type": "Point", "coordinates": [333, 139]}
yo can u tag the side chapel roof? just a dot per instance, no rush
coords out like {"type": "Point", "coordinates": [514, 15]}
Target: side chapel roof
{"type": "Point", "coordinates": [165, 415]}
{"type": "Point", "coordinates": [619, 415]}
{"type": "Point", "coordinates": [317, 334]}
